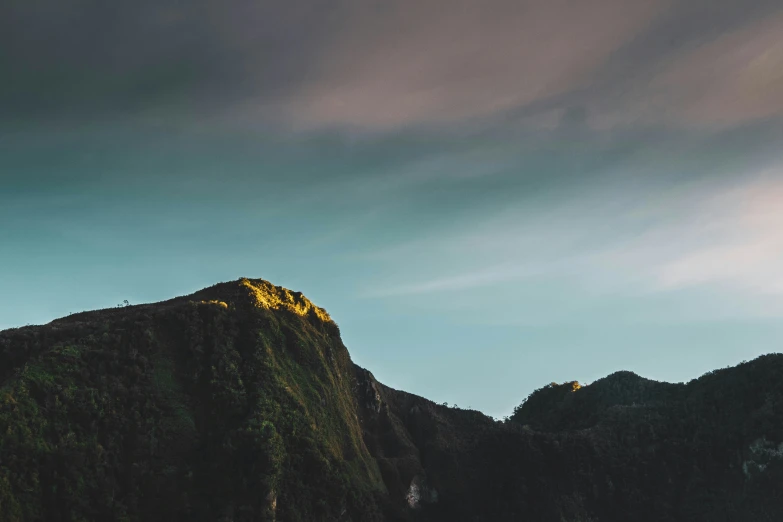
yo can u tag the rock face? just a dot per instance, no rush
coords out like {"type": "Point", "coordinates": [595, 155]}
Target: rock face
{"type": "Point", "coordinates": [241, 403]}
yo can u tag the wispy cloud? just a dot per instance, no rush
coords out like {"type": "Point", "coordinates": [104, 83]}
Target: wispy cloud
{"type": "Point", "coordinates": [732, 237]}
{"type": "Point", "coordinates": [479, 278]}
{"type": "Point", "coordinates": [370, 66]}
{"type": "Point", "coordinates": [731, 79]}
{"type": "Point", "coordinates": [422, 63]}
{"type": "Point", "coordinates": [712, 234]}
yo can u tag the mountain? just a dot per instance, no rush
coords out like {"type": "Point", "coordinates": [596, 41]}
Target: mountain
{"type": "Point", "coordinates": [241, 403]}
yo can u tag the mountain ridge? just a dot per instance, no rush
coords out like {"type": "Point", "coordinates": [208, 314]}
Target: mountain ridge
{"type": "Point", "coordinates": [240, 402]}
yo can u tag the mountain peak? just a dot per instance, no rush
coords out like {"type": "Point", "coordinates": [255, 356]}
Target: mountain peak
{"type": "Point", "coordinates": [261, 294]}
{"type": "Point", "coordinates": [243, 294]}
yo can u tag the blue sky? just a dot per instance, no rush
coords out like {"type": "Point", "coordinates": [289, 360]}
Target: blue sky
{"type": "Point", "coordinates": [486, 198]}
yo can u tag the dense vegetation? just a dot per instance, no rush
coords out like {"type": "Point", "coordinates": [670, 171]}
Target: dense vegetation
{"type": "Point", "coordinates": [190, 410]}
{"type": "Point", "coordinates": [241, 403]}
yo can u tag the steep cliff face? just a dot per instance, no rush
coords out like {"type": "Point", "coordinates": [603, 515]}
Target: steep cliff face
{"type": "Point", "coordinates": [241, 403]}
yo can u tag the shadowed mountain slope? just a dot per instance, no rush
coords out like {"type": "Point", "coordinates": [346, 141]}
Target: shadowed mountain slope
{"type": "Point", "coordinates": [240, 403]}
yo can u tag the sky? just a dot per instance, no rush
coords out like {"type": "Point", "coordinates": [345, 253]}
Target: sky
{"type": "Point", "coordinates": [487, 196]}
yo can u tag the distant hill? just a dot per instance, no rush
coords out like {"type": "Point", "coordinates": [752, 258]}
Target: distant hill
{"type": "Point", "coordinates": [241, 403]}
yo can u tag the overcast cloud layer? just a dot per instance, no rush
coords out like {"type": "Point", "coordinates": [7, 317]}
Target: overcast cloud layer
{"type": "Point", "coordinates": [384, 65]}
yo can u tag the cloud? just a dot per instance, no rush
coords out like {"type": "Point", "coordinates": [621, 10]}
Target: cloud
{"type": "Point", "coordinates": [703, 64]}
{"type": "Point", "coordinates": [404, 177]}
{"type": "Point", "coordinates": [473, 279]}
{"type": "Point", "coordinates": [369, 66]}
{"type": "Point", "coordinates": [737, 78]}
{"type": "Point", "coordinates": [724, 234]}
{"type": "Point", "coordinates": [79, 59]}
{"type": "Point", "coordinates": [745, 240]}
{"type": "Point", "coordinates": [734, 78]}
{"type": "Point", "coordinates": [419, 62]}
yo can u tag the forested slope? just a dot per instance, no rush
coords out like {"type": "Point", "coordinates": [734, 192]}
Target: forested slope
{"type": "Point", "coordinates": [241, 403]}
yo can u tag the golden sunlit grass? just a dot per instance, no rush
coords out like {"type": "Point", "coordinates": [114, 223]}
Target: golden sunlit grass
{"type": "Point", "coordinates": [274, 297]}
{"type": "Point", "coordinates": [221, 304]}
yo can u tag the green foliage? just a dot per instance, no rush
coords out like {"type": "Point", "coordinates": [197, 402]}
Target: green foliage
{"type": "Point", "coordinates": [637, 449]}
{"type": "Point", "coordinates": [194, 411]}
{"type": "Point", "coordinates": [240, 403]}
